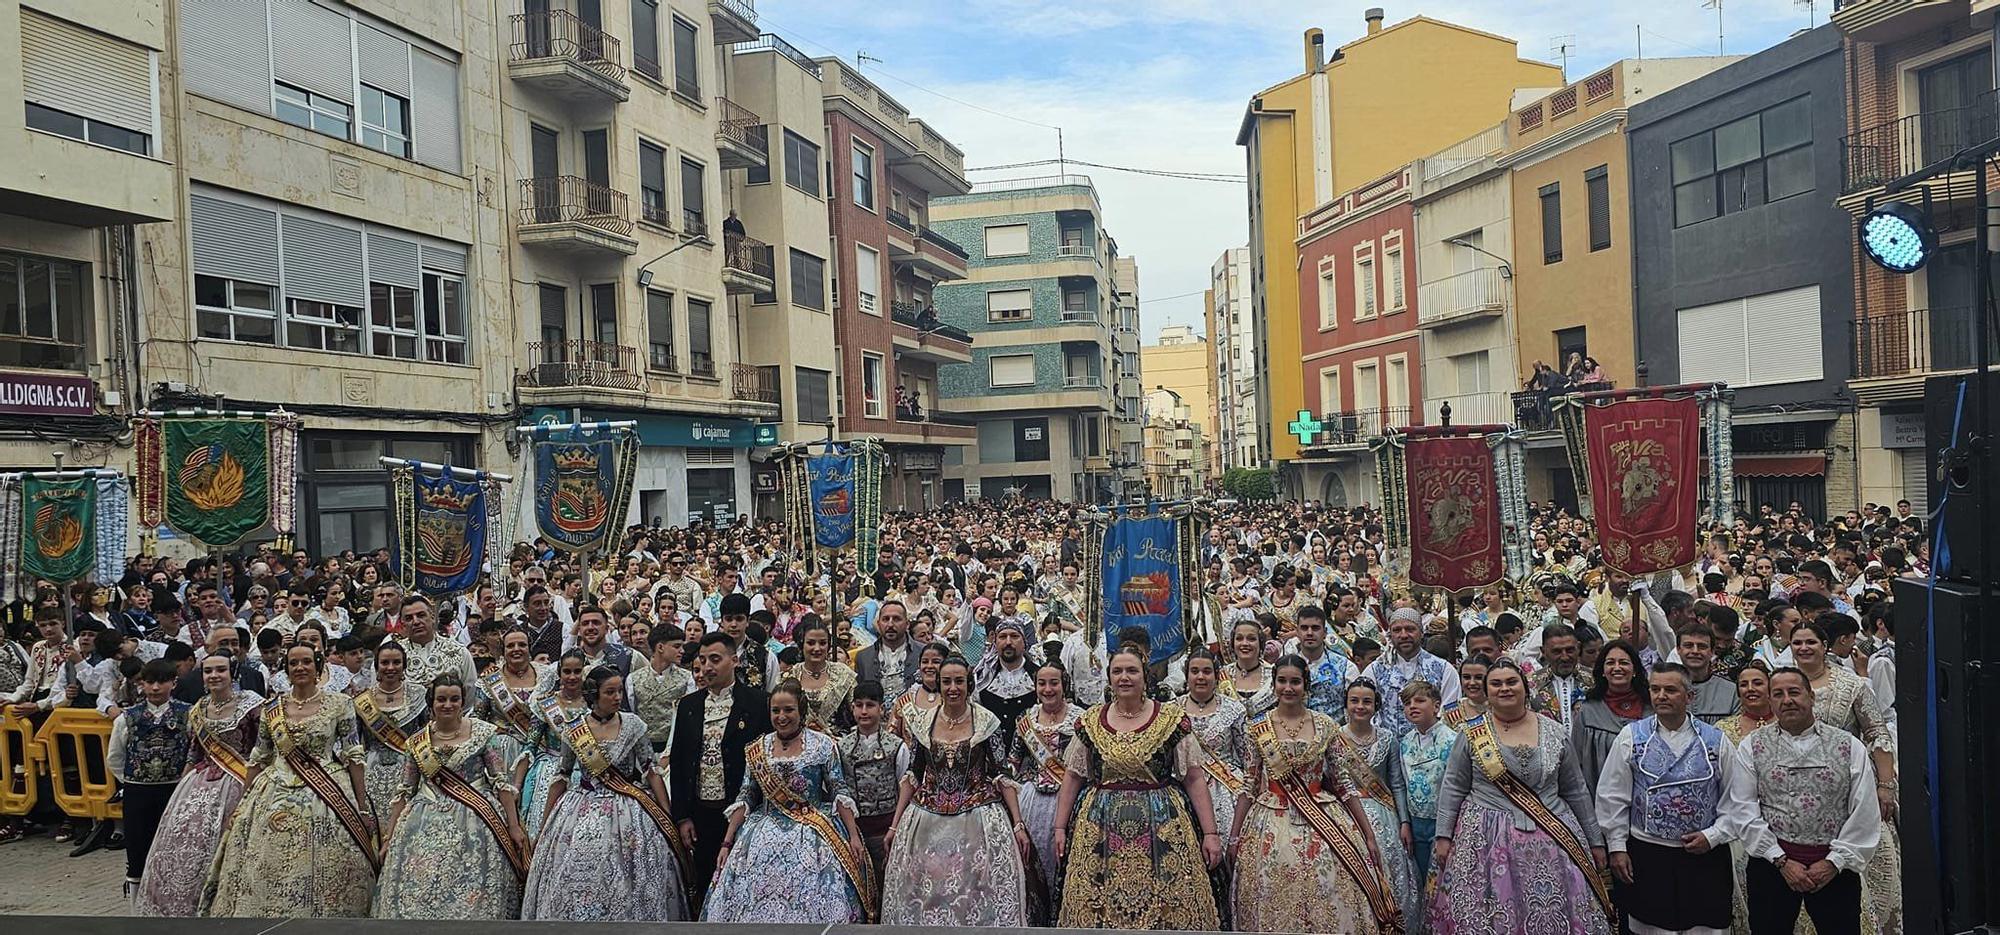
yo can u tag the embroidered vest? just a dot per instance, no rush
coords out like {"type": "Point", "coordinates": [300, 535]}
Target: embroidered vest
{"type": "Point", "coordinates": [1674, 794]}
{"type": "Point", "coordinates": [871, 768]}
{"type": "Point", "coordinates": [156, 748]}
{"type": "Point", "coordinates": [1390, 681]}
{"type": "Point", "coordinates": [1803, 793]}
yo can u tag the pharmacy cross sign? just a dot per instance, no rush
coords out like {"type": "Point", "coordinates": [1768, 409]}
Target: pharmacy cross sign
{"type": "Point", "coordinates": [1305, 427]}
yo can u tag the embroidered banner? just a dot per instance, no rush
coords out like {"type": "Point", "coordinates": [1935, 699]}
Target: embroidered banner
{"type": "Point", "coordinates": [1454, 511]}
{"type": "Point", "coordinates": [1645, 478]}
{"type": "Point", "coordinates": [830, 479]}
{"type": "Point", "coordinates": [59, 528]}
{"type": "Point", "coordinates": [583, 483]}
{"type": "Point", "coordinates": [1140, 574]}
{"type": "Point", "coordinates": [442, 533]}
{"type": "Point", "coordinates": [216, 475]}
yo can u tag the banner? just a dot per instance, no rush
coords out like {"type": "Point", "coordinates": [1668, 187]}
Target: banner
{"type": "Point", "coordinates": [583, 483]}
{"type": "Point", "coordinates": [1140, 573]}
{"type": "Point", "coordinates": [1454, 511]}
{"type": "Point", "coordinates": [1645, 478]}
{"type": "Point", "coordinates": [830, 478]}
{"type": "Point", "coordinates": [217, 478]}
{"type": "Point", "coordinates": [441, 533]}
{"type": "Point", "coordinates": [58, 535]}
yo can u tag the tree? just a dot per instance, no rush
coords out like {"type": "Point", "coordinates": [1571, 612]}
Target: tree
{"type": "Point", "coordinates": [1250, 483]}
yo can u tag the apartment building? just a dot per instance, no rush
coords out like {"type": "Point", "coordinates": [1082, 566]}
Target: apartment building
{"type": "Point", "coordinates": [1233, 333]}
{"type": "Point", "coordinates": [1129, 410]}
{"type": "Point", "coordinates": [886, 167]}
{"type": "Point", "coordinates": [1464, 245]}
{"type": "Point", "coordinates": [1176, 448]}
{"type": "Point", "coordinates": [1037, 300]}
{"type": "Point", "coordinates": [1181, 362]}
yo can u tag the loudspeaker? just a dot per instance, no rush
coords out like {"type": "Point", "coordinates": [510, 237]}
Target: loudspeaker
{"type": "Point", "coordinates": [1966, 511]}
{"type": "Point", "coordinates": [1949, 879]}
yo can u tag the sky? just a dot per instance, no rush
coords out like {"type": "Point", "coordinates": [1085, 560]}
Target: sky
{"type": "Point", "coordinates": [1162, 84]}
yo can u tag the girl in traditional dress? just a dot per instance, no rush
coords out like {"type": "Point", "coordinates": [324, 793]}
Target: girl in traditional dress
{"type": "Point", "coordinates": [923, 696]}
{"type": "Point", "coordinates": [388, 713]}
{"type": "Point", "coordinates": [1472, 699]}
{"type": "Point", "coordinates": [224, 724]}
{"type": "Point", "coordinates": [1248, 677]}
{"type": "Point", "coordinates": [507, 688]}
{"type": "Point", "coordinates": [608, 848]}
{"type": "Point", "coordinates": [1518, 847]}
{"type": "Point", "coordinates": [1753, 692]}
{"type": "Point", "coordinates": [540, 765]}
{"type": "Point", "coordinates": [793, 853]}
{"type": "Point", "coordinates": [1617, 696]}
{"type": "Point", "coordinates": [302, 840]}
{"type": "Point", "coordinates": [957, 845]}
{"type": "Point", "coordinates": [827, 685]}
{"type": "Point", "coordinates": [1136, 846]}
{"type": "Point", "coordinates": [1368, 759]}
{"type": "Point", "coordinates": [456, 848]}
{"type": "Point", "coordinates": [1040, 739]}
{"type": "Point", "coordinates": [1844, 700]}
{"type": "Point", "coordinates": [1300, 870]}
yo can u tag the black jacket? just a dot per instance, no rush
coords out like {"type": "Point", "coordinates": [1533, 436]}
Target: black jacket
{"type": "Point", "coordinates": [749, 718]}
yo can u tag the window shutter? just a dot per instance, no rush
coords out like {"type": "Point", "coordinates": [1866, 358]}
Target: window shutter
{"type": "Point", "coordinates": [314, 48]}
{"type": "Point", "coordinates": [711, 457]}
{"type": "Point", "coordinates": [323, 263]}
{"type": "Point", "coordinates": [1013, 370]}
{"type": "Point", "coordinates": [434, 110]}
{"type": "Point", "coordinates": [1552, 225]}
{"type": "Point", "coordinates": [1786, 336]}
{"type": "Point", "coordinates": [385, 60]}
{"type": "Point", "coordinates": [394, 261]}
{"type": "Point", "coordinates": [72, 69]}
{"type": "Point", "coordinates": [698, 326]}
{"type": "Point", "coordinates": [1597, 185]}
{"type": "Point", "coordinates": [1916, 480]}
{"type": "Point", "coordinates": [1007, 240]}
{"type": "Point", "coordinates": [233, 241]}
{"type": "Point", "coordinates": [444, 259]}
{"type": "Point", "coordinates": [226, 52]}
{"type": "Point", "coordinates": [1711, 343]}
{"type": "Point", "coordinates": [1010, 300]}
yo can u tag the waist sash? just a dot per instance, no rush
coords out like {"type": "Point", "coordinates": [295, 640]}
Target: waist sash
{"type": "Point", "coordinates": [449, 782]}
{"type": "Point", "coordinates": [779, 794]}
{"type": "Point", "coordinates": [380, 726]}
{"type": "Point", "coordinates": [218, 750]}
{"type": "Point", "coordinates": [510, 707]}
{"type": "Point", "coordinates": [1353, 855]}
{"type": "Point", "coordinates": [1485, 750]}
{"type": "Point", "coordinates": [1050, 770]}
{"type": "Point", "coordinates": [322, 784]}
{"type": "Point", "coordinates": [590, 754]}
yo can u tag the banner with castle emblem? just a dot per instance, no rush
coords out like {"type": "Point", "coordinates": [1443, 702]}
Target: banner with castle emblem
{"type": "Point", "coordinates": [1645, 462]}
{"type": "Point", "coordinates": [58, 528]}
{"type": "Point", "coordinates": [1146, 567]}
{"type": "Point", "coordinates": [217, 478]}
{"type": "Point", "coordinates": [583, 483]}
{"type": "Point", "coordinates": [830, 478]}
{"type": "Point", "coordinates": [441, 533]}
{"type": "Point", "coordinates": [1454, 505]}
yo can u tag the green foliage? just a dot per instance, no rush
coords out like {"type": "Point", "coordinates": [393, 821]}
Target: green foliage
{"type": "Point", "coordinates": [1250, 483]}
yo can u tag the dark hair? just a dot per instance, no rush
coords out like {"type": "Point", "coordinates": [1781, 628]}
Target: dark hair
{"type": "Point", "coordinates": [1696, 628]}
{"type": "Point", "coordinates": [666, 632]}
{"type": "Point", "coordinates": [1293, 661]}
{"type": "Point", "coordinates": [177, 651]}
{"type": "Point", "coordinates": [789, 687]}
{"type": "Point", "coordinates": [269, 639]}
{"type": "Point", "coordinates": [1557, 631]}
{"type": "Point", "coordinates": [1821, 626]}
{"type": "Point", "coordinates": [1367, 683]}
{"type": "Point", "coordinates": [1483, 630]}
{"type": "Point", "coordinates": [1510, 622]}
{"type": "Point", "coordinates": [1722, 617]}
{"type": "Point", "coordinates": [159, 670]}
{"type": "Point", "coordinates": [1313, 611]}
{"type": "Point", "coordinates": [954, 659]}
{"type": "Point", "coordinates": [1363, 646]}
{"type": "Point", "coordinates": [392, 644]}
{"type": "Point", "coordinates": [1135, 634]}
{"type": "Point", "coordinates": [446, 680]}
{"type": "Point", "coordinates": [870, 690]}
{"type": "Point", "coordinates": [1599, 686]}
{"type": "Point", "coordinates": [593, 682]}
{"type": "Point", "coordinates": [1792, 670]}
{"type": "Point", "coordinates": [1201, 652]}
{"type": "Point", "coordinates": [414, 597]}
{"type": "Point", "coordinates": [734, 605]}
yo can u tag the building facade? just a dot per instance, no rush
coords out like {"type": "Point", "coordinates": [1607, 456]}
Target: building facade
{"type": "Point", "coordinates": [1233, 334]}
{"type": "Point", "coordinates": [1180, 361]}
{"type": "Point", "coordinates": [1176, 448]}
{"type": "Point", "coordinates": [1128, 411]}
{"type": "Point", "coordinates": [1464, 244]}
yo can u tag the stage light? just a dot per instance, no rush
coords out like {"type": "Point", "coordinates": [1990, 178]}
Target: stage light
{"type": "Point", "coordinates": [1898, 237]}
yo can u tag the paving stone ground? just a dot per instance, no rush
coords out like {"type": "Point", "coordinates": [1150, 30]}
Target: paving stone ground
{"type": "Point", "coordinates": [38, 876]}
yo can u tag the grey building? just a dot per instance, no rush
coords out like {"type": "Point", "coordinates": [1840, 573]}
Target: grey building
{"type": "Point", "coordinates": [1742, 262]}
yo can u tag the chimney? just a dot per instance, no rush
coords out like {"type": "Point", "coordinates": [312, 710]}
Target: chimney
{"type": "Point", "coordinates": [1374, 17]}
{"type": "Point", "coordinates": [1315, 51]}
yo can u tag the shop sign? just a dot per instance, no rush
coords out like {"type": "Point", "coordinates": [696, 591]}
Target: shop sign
{"type": "Point", "coordinates": [47, 394]}
{"type": "Point", "coordinates": [669, 431]}
{"type": "Point", "coordinates": [921, 460]}
{"type": "Point", "coordinates": [764, 482]}
{"type": "Point", "coordinates": [764, 435]}
{"type": "Point", "coordinates": [1903, 430]}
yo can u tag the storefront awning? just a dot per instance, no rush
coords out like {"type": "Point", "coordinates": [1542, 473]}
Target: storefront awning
{"type": "Point", "coordinates": [1806, 465]}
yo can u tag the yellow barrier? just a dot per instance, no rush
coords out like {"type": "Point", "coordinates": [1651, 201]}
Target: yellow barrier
{"type": "Point", "coordinates": [73, 741]}
{"type": "Point", "coordinates": [20, 765]}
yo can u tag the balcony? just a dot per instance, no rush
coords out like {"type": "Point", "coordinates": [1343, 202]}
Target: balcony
{"type": "Point", "coordinates": [939, 256]}
{"type": "Point", "coordinates": [920, 335]}
{"type": "Point", "coordinates": [749, 383]}
{"type": "Point", "coordinates": [733, 20]}
{"type": "Point", "coordinates": [1532, 408]}
{"type": "Point", "coordinates": [583, 364]}
{"type": "Point", "coordinates": [1083, 381]}
{"type": "Point", "coordinates": [1077, 251]}
{"type": "Point", "coordinates": [1912, 344]}
{"type": "Point", "coordinates": [737, 143]}
{"type": "Point", "coordinates": [572, 214]}
{"type": "Point", "coordinates": [746, 265]}
{"type": "Point", "coordinates": [1476, 293]}
{"type": "Point", "coordinates": [938, 166]}
{"type": "Point", "coordinates": [1080, 316]}
{"type": "Point", "coordinates": [933, 427]}
{"type": "Point", "coordinates": [1893, 20]}
{"type": "Point", "coordinates": [1492, 407]}
{"type": "Point", "coordinates": [567, 57]}
{"type": "Point", "coordinates": [772, 42]}
{"type": "Point", "coordinates": [1354, 427]}
{"type": "Point", "coordinates": [1880, 154]}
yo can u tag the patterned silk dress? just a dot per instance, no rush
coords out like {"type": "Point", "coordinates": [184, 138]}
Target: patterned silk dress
{"type": "Point", "coordinates": [781, 870]}
{"type": "Point", "coordinates": [199, 810]}
{"type": "Point", "coordinates": [444, 862]}
{"type": "Point", "coordinates": [1288, 877]}
{"type": "Point", "coordinates": [602, 858]}
{"type": "Point", "coordinates": [386, 762]}
{"type": "Point", "coordinates": [953, 861]}
{"type": "Point", "coordinates": [1377, 772]}
{"type": "Point", "coordinates": [1038, 762]}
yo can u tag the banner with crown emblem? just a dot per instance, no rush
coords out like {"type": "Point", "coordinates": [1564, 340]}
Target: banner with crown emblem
{"type": "Point", "coordinates": [59, 528]}
{"type": "Point", "coordinates": [583, 483]}
{"type": "Point", "coordinates": [441, 532]}
{"type": "Point", "coordinates": [1454, 504]}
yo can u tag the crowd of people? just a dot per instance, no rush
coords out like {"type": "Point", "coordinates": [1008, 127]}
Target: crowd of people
{"type": "Point", "coordinates": [700, 727]}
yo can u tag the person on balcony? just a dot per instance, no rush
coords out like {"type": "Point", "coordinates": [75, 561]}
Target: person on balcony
{"type": "Point", "coordinates": [732, 226]}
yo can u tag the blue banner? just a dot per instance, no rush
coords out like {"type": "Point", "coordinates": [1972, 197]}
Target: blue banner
{"type": "Point", "coordinates": [447, 545]}
{"type": "Point", "coordinates": [1141, 578]}
{"type": "Point", "coordinates": [830, 479]}
{"type": "Point", "coordinates": [575, 487]}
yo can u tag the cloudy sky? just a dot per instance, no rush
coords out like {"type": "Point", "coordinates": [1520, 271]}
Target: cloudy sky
{"type": "Point", "coordinates": [1162, 84]}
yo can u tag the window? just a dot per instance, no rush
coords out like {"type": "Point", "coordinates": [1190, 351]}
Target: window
{"type": "Point", "coordinates": [86, 85]}
{"type": "Point", "coordinates": [808, 281]}
{"type": "Point", "coordinates": [760, 139]}
{"type": "Point", "coordinates": [554, 303]}
{"type": "Point", "coordinates": [1076, 305]}
{"type": "Point", "coordinates": [1572, 341]}
{"type": "Point", "coordinates": [646, 38]}
{"type": "Point", "coordinates": [1007, 240]}
{"type": "Point", "coordinates": [687, 58]}
{"type": "Point", "coordinates": [1364, 284]}
{"type": "Point", "coordinates": [444, 318]}
{"type": "Point", "coordinates": [1329, 391]}
{"type": "Point", "coordinates": [225, 309]}
{"type": "Point", "coordinates": [1011, 370]}
{"type": "Point", "coordinates": [1752, 161]}
{"type": "Point", "coordinates": [1329, 304]}
{"type": "Point", "coordinates": [1031, 439]}
{"type": "Point", "coordinates": [1597, 191]}
{"type": "Point", "coordinates": [1010, 305]}
{"type": "Point", "coordinates": [839, 390]}
{"type": "Point", "coordinates": [1552, 223]}
{"type": "Point", "coordinates": [313, 111]}
{"type": "Point", "coordinates": [1392, 262]}
{"type": "Point", "coordinates": [694, 220]}
{"type": "Point", "coordinates": [604, 316]}
{"type": "Point", "coordinates": [872, 389]}
{"type": "Point", "coordinates": [771, 263]}
{"type": "Point", "coordinates": [801, 164]}
{"type": "Point", "coordinates": [660, 331]}
{"type": "Point", "coordinates": [50, 120]}
{"type": "Point", "coordinates": [652, 183]}
{"type": "Point", "coordinates": [868, 277]}
{"type": "Point", "coordinates": [385, 122]}
{"type": "Point", "coordinates": [392, 321]}
{"type": "Point", "coordinates": [1474, 372]}
{"type": "Point", "coordinates": [864, 176]}
{"type": "Point", "coordinates": [701, 356]}
{"type": "Point", "coordinates": [1759, 340]}
{"type": "Point", "coordinates": [811, 386]}
{"type": "Point", "coordinates": [323, 326]}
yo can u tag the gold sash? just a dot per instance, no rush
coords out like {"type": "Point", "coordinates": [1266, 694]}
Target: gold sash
{"type": "Point", "coordinates": [510, 707]}
{"type": "Point", "coordinates": [321, 783]}
{"type": "Point", "coordinates": [379, 724]}
{"type": "Point", "coordinates": [778, 793]}
{"type": "Point", "coordinates": [1217, 768]}
{"type": "Point", "coordinates": [1366, 780]}
{"type": "Point", "coordinates": [218, 749]}
{"type": "Point", "coordinates": [1485, 750]}
{"type": "Point", "coordinates": [449, 782]}
{"type": "Point", "coordinates": [1050, 770]}
{"type": "Point", "coordinates": [1353, 855]}
{"type": "Point", "coordinates": [590, 754]}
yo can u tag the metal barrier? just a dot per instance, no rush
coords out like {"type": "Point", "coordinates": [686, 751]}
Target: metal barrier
{"type": "Point", "coordinates": [20, 764]}
{"type": "Point", "coordinates": [73, 742]}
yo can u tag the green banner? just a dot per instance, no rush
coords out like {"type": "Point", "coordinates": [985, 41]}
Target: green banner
{"type": "Point", "coordinates": [59, 528]}
{"type": "Point", "coordinates": [218, 478]}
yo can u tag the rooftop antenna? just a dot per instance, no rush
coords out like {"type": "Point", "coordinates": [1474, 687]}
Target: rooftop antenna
{"type": "Point", "coordinates": [861, 55]}
{"type": "Point", "coordinates": [1812, 11]}
{"type": "Point", "coordinates": [1561, 47]}
{"type": "Point", "coordinates": [1716, 5]}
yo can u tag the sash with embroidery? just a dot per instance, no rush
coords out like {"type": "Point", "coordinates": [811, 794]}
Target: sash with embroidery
{"type": "Point", "coordinates": [510, 707]}
{"type": "Point", "coordinates": [1219, 769]}
{"type": "Point", "coordinates": [1049, 768]}
{"type": "Point", "coordinates": [1485, 750]}
{"type": "Point", "coordinates": [1353, 855]}
{"type": "Point", "coordinates": [380, 726]}
{"type": "Point", "coordinates": [219, 750]}
{"type": "Point", "coordinates": [448, 781]}
{"type": "Point", "coordinates": [779, 794]}
{"type": "Point", "coordinates": [1459, 715]}
{"type": "Point", "coordinates": [321, 782]}
{"type": "Point", "coordinates": [590, 754]}
{"type": "Point", "coordinates": [1366, 779]}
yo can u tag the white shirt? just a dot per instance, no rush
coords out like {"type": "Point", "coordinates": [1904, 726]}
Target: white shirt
{"type": "Point", "coordinates": [1614, 791]}
{"type": "Point", "coordinates": [1086, 665]}
{"type": "Point", "coordinates": [1858, 836]}
{"type": "Point", "coordinates": [1882, 678]}
{"type": "Point", "coordinates": [114, 749]}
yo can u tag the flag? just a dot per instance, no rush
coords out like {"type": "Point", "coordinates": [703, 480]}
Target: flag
{"type": "Point", "coordinates": [218, 489]}
{"type": "Point", "coordinates": [1139, 573]}
{"type": "Point", "coordinates": [1454, 511]}
{"type": "Point", "coordinates": [830, 478]}
{"type": "Point", "coordinates": [58, 528]}
{"type": "Point", "coordinates": [440, 545]}
{"type": "Point", "coordinates": [583, 484]}
{"type": "Point", "coordinates": [1645, 480]}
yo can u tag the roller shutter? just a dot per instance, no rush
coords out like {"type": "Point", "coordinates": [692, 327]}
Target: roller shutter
{"type": "Point", "coordinates": [77, 71]}
{"type": "Point", "coordinates": [323, 263]}
{"type": "Point", "coordinates": [226, 51]}
{"type": "Point", "coordinates": [315, 48]}
{"type": "Point", "coordinates": [233, 241]}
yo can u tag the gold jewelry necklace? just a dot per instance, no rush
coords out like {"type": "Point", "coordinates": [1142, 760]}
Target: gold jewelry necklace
{"type": "Point", "coordinates": [950, 721]}
{"type": "Point", "coordinates": [1294, 729]}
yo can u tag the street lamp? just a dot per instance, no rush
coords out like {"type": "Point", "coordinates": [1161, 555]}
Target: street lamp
{"type": "Point", "coordinates": [646, 276]}
{"type": "Point", "coordinates": [1506, 269]}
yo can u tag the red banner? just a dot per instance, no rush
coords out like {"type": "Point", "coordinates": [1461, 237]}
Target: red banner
{"type": "Point", "coordinates": [1454, 512]}
{"type": "Point", "coordinates": [1645, 481]}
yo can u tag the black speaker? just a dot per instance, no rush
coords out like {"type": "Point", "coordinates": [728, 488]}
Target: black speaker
{"type": "Point", "coordinates": [1962, 461]}
{"type": "Point", "coordinates": [1950, 878]}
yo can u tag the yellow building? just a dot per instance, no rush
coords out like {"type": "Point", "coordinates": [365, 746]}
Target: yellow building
{"type": "Point", "coordinates": [1182, 362]}
{"type": "Point", "coordinates": [1378, 102]}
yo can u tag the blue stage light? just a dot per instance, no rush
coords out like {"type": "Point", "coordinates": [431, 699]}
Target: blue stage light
{"type": "Point", "coordinates": [1898, 237]}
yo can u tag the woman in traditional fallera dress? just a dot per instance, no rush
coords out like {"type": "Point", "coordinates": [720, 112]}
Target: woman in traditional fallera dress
{"type": "Point", "coordinates": [1472, 702]}
{"type": "Point", "coordinates": [455, 845]}
{"type": "Point", "coordinates": [793, 853]}
{"type": "Point", "coordinates": [1368, 759]}
{"type": "Point", "coordinates": [1221, 726]}
{"type": "Point", "coordinates": [606, 852]}
{"type": "Point", "coordinates": [923, 695]}
{"type": "Point", "coordinates": [224, 724]}
{"type": "Point", "coordinates": [1040, 739]}
{"type": "Point", "coordinates": [540, 764]}
{"type": "Point", "coordinates": [1248, 677]}
{"type": "Point", "coordinates": [1298, 871]}
{"type": "Point", "coordinates": [1753, 693]}
{"type": "Point", "coordinates": [1518, 848]}
{"type": "Point", "coordinates": [827, 685]}
{"type": "Point", "coordinates": [507, 689]}
{"type": "Point", "coordinates": [302, 840]}
{"type": "Point", "coordinates": [1137, 843]}
{"type": "Point", "coordinates": [388, 712]}
{"type": "Point", "coordinates": [957, 847]}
